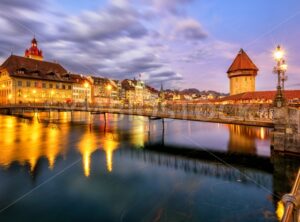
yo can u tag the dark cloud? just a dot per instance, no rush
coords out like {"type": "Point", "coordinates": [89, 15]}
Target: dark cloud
{"type": "Point", "coordinates": [171, 6]}
{"type": "Point", "coordinates": [190, 29]}
{"type": "Point", "coordinates": [110, 23]}
{"type": "Point", "coordinates": [13, 4]}
{"type": "Point", "coordinates": [113, 41]}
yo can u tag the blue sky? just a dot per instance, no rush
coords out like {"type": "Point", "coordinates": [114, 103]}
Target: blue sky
{"type": "Point", "coordinates": [181, 43]}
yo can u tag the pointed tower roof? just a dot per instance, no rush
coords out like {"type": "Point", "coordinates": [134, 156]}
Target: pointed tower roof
{"type": "Point", "coordinates": [34, 52]}
{"type": "Point", "coordinates": [34, 41]}
{"type": "Point", "coordinates": [242, 62]}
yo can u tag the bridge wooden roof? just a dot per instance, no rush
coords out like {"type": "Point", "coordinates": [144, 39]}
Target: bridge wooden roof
{"type": "Point", "coordinates": [261, 95]}
{"type": "Point", "coordinates": [242, 62]}
{"type": "Point", "coordinates": [23, 67]}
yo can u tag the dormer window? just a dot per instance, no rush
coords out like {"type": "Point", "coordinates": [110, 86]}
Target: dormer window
{"type": "Point", "coordinates": [21, 71]}
{"type": "Point", "coordinates": [36, 73]}
{"type": "Point", "coordinates": [51, 73]}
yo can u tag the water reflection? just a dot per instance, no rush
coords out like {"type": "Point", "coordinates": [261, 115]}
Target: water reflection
{"type": "Point", "coordinates": [25, 141]}
{"type": "Point", "coordinates": [129, 158]}
{"type": "Point", "coordinates": [109, 145]}
{"type": "Point", "coordinates": [242, 139]}
{"type": "Point", "coordinates": [87, 145]}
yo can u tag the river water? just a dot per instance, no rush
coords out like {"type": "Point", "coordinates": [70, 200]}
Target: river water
{"type": "Point", "coordinates": [128, 168]}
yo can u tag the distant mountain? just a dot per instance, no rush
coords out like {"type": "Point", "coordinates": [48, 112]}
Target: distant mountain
{"type": "Point", "coordinates": [197, 92]}
{"type": "Point", "coordinates": [190, 91]}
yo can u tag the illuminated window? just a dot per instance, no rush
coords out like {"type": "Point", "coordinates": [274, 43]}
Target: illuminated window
{"type": "Point", "coordinates": [50, 85]}
{"type": "Point", "coordinates": [28, 83]}
{"type": "Point", "coordinates": [57, 86]}
{"type": "Point", "coordinates": [20, 83]}
{"type": "Point", "coordinates": [44, 85]}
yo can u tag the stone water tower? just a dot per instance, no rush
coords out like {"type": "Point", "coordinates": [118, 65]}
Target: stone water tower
{"type": "Point", "coordinates": [241, 74]}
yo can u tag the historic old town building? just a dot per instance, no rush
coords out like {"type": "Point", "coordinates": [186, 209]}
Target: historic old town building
{"type": "Point", "coordinates": [31, 79]}
{"type": "Point", "coordinates": [104, 90]}
{"type": "Point", "coordinates": [26, 80]}
{"type": "Point", "coordinates": [81, 88]}
{"type": "Point", "coordinates": [241, 74]}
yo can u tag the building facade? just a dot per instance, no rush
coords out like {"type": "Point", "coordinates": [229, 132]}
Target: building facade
{"type": "Point", "coordinates": [81, 88]}
{"type": "Point", "coordinates": [26, 80]}
{"type": "Point", "coordinates": [242, 74]}
{"type": "Point", "coordinates": [105, 91]}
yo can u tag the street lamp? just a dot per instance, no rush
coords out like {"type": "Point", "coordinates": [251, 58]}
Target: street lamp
{"type": "Point", "coordinates": [34, 92]}
{"type": "Point", "coordinates": [52, 94]}
{"type": "Point", "coordinates": [9, 98]}
{"type": "Point", "coordinates": [108, 88]}
{"type": "Point", "coordinates": [86, 86]}
{"type": "Point", "coordinates": [280, 70]}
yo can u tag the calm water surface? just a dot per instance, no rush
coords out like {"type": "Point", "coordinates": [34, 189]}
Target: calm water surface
{"type": "Point", "coordinates": [131, 170]}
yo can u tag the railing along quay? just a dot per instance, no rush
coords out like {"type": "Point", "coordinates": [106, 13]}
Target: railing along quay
{"type": "Point", "coordinates": [292, 203]}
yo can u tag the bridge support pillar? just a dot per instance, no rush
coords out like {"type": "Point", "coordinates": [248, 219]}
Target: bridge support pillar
{"type": "Point", "coordinates": [286, 134]}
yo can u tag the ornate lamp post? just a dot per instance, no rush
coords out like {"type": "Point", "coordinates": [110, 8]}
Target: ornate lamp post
{"type": "Point", "coordinates": [283, 77]}
{"type": "Point", "coordinates": [280, 70]}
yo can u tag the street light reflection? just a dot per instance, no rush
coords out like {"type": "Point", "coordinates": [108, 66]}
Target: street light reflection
{"type": "Point", "coordinates": [109, 146]}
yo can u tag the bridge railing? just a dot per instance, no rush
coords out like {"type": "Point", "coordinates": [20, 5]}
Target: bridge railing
{"type": "Point", "coordinates": [292, 203]}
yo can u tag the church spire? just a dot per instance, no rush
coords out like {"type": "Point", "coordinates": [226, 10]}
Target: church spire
{"type": "Point", "coordinates": [161, 87]}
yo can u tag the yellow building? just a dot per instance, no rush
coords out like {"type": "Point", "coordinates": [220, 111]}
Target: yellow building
{"type": "Point", "coordinates": [242, 74]}
{"type": "Point", "coordinates": [104, 90]}
{"type": "Point", "coordinates": [25, 80]}
{"type": "Point", "coordinates": [81, 88]}
{"type": "Point", "coordinates": [133, 91]}
{"type": "Point", "coordinates": [29, 79]}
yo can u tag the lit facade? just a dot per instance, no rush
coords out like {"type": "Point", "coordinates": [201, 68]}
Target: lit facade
{"type": "Point", "coordinates": [81, 88]}
{"type": "Point", "coordinates": [26, 80]}
{"type": "Point", "coordinates": [105, 91]}
{"type": "Point", "coordinates": [135, 92]}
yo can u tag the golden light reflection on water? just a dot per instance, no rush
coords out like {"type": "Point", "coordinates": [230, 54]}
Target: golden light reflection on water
{"type": "Point", "coordinates": [280, 210]}
{"type": "Point", "coordinates": [109, 145]}
{"type": "Point", "coordinates": [242, 139]}
{"type": "Point", "coordinates": [87, 145]}
{"type": "Point", "coordinates": [138, 131]}
{"type": "Point", "coordinates": [26, 142]}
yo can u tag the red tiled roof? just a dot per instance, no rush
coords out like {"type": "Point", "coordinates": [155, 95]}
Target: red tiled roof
{"type": "Point", "coordinates": [242, 62]}
{"type": "Point", "coordinates": [33, 69]}
{"type": "Point", "coordinates": [260, 95]}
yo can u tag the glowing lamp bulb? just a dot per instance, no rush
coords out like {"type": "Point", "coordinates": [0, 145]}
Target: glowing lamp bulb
{"type": "Point", "coordinates": [108, 87]}
{"type": "Point", "coordinates": [278, 54]}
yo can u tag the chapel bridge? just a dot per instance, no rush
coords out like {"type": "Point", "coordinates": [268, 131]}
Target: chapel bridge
{"type": "Point", "coordinates": [253, 115]}
{"type": "Point", "coordinates": [284, 120]}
